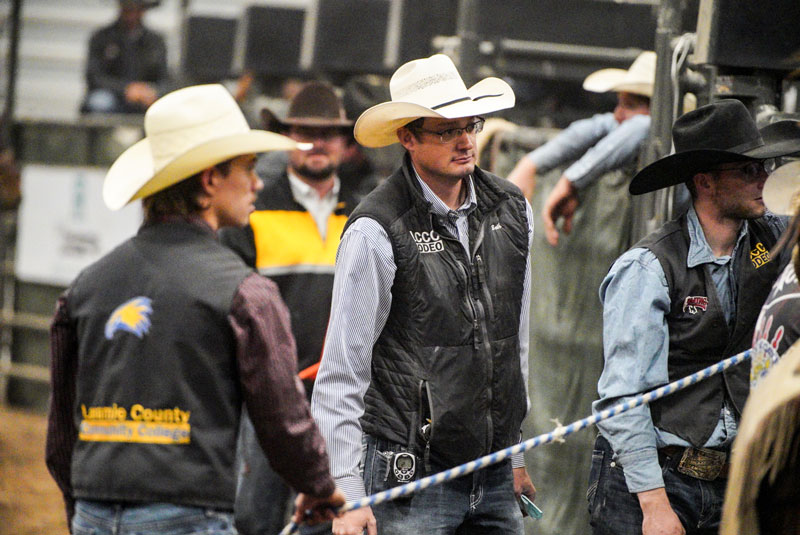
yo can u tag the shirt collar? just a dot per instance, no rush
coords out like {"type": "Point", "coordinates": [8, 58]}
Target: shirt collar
{"type": "Point", "coordinates": [438, 206]}
{"type": "Point", "coordinates": [699, 249]}
{"type": "Point", "coordinates": [301, 190]}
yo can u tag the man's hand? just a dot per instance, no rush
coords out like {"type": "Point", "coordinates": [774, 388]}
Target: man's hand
{"type": "Point", "coordinates": [140, 93]}
{"type": "Point", "coordinates": [354, 522]}
{"type": "Point", "coordinates": [562, 203]}
{"type": "Point", "coordinates": [659, 518]}
{"type": "Point", "coordinates": [523, 485]}
{"type": "Point", "coordinates": [320, 509]}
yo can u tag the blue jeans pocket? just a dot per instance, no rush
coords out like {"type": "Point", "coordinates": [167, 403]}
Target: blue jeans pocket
{"type": "Point", "coordinates": [594, 477]}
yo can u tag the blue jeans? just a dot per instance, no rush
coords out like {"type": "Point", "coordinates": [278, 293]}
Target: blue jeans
{"type": "Point", "coordinates": [481, 503]}
{"type": "Point", "coordinates": [106, 101]}
{"type": "Point", "coordinates": [106, 518]}
{"type": "Point", "coordinates": [263, 499]}
{"type": "Point", "coordinates": [615, 511]}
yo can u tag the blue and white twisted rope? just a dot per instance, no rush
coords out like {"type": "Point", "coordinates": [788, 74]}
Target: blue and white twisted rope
{"type": "Point", "coordinates": [557, 434]}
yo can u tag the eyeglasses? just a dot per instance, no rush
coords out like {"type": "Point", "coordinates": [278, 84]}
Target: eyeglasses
{"type": "Point", "coordinates": [752, 171]}
{"type": "Point", "coordinates": [446, 136]}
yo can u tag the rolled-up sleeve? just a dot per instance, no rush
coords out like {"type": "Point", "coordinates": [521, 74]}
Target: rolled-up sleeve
{"type": "Point", "coordinates": [572, 142]}
{"type": "Point", "coordinates": [617, 149]}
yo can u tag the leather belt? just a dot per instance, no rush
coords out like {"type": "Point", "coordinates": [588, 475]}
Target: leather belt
{"type": "Point", "coordinates": [699, 463]}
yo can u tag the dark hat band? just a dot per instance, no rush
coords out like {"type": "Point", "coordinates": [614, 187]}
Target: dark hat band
{"type": "Point", "coordinates": [456, 101]}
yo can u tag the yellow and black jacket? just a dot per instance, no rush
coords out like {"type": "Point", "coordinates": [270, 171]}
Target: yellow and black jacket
{"type": "Point", "coordinates": [283, 243]}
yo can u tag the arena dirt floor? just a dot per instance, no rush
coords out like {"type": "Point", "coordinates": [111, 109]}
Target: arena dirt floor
{"type": "Point", "coordinates": [30, 502]}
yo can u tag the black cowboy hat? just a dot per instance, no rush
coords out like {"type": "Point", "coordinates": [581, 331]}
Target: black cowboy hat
{"type": "Point", "coordinates": [315, 105]}
{"type": "Point", "coordinates": [717, 133]}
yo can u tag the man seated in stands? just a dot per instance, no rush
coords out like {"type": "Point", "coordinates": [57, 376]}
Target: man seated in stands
{"type": "Point", "coordinates": [127, 63]}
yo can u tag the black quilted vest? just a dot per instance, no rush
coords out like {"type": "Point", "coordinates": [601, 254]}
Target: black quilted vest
{"type": "Point", "coordinates": [448, 355]}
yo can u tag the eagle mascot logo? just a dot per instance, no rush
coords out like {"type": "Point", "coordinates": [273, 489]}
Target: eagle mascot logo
{"type": "Point", "coordinates": [132, 316]}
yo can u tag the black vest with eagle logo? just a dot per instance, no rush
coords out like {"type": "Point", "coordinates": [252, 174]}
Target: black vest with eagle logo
{"type": "Point", "coordinates": [158, 398]}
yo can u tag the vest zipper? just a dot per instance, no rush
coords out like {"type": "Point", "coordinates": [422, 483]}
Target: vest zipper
{"type": "Point", "coordinates": [478, 286]}
{"type": "Point", "coordinates": [426, 428]}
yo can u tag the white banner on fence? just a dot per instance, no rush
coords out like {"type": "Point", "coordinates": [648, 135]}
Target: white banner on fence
{"type": "Point", "coordinates": [64, 225]}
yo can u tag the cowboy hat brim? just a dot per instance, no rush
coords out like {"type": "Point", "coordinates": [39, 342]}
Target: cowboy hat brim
{"type": "Point", "coordinates": [606, 80]}
{"type": "Point", "coordinates": [781, 190]}
{"type": "Point", "coordinates": [272, 122]}
{"type": "Point", "coordinates": [377, 126]}
{"type": "Point", "coordinates": [132, 175]}
{"type": "Point", "coordinates": [679, 167]}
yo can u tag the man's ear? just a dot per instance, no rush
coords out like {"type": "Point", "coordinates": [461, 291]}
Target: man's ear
{"type": "Point", "coordinates": [703, 181]}
{"type": "Point", "coordinates": [207, 180]}
{"type": "Point", "coordinates": [406, 137]}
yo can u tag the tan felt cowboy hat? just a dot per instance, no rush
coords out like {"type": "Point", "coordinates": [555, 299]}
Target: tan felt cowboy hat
{"type": "Point", "coordinates": [717, 133]}
{"type": "Point", "coordinates": [429, 87]}
{"type": "Point", "coordinates": [638, 79]}
{"type": "Point", "coordinates": [315, 105]}
{"type": "Point", "coordinates": [186, 131]}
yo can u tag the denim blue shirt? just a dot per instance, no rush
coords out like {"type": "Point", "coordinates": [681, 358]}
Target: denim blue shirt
{"type": "Point", "coordinates": [599, 144]}
{"type": "Point", "coordinates": [636, 301]}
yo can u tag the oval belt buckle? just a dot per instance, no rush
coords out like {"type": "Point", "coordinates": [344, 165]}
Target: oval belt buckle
{"type": "Point", "coordinates": [404, 466]}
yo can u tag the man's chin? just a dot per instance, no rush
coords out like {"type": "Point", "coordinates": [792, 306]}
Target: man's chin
{"type": "Point", "coordinates": [317, 175]}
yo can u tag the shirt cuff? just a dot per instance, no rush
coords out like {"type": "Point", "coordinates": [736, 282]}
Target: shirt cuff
{"type": "Point", "coordinates": [642, 470]}
{"type": "Point", "coordinates": [518, 460]}
{"type": "Point", "coordinates": [352, 487]}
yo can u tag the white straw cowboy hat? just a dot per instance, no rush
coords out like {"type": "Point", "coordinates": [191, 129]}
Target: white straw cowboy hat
{"type": "Point", "coordinates": [186, 131]}
{"type": "Point", "coordinates": [781, 191]}
{"type": "Point", "coordinates": [429, 87]}
{"type": "Point", "coordinates": [638, 79]}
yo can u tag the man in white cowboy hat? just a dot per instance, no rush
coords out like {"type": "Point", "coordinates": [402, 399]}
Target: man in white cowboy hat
{"type": "Point", "coordinates": [425, 358]}
{"type": "Point", "coordinates": [598, 145]}
{"type": "Point", "coordinates": [292, 238]}
{"type": "Point", "coordinates": [685, 297]}
{"type": "Point", "coordinates": [126, 67]}
{"type": "Point", "coordinates": [156, 346]}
